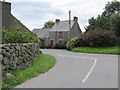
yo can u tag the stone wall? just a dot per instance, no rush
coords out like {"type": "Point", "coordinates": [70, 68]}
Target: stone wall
{"type": "Point", "coordinates": [18, 56]}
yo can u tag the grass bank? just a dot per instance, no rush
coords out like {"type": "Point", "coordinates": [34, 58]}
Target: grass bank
{"type": "Point", "coordinates": [100, 50]}
{"type": "Point", "coordinates": [43, 63]}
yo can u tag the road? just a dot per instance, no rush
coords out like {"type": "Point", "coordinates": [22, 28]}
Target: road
{"type": "Point", "coordinates": [77, 70]}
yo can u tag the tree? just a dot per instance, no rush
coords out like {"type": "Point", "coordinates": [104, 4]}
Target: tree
{"type": "Point", "coordinates": [111, 7]}
{"type": "Point", "coordinates": [101, 22]}
{"type": "Point", "coordinates": [48, 24]}
{"type": "Point", "coordinates": [109, 20]}
{"type": "Point", "coordinates": [115, 23]}
{"type": "Point", "coordinates": [92, 22]}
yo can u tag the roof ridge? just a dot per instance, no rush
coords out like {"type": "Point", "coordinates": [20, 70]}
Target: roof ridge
{"type": "Point", "coordinates": [66, 20]}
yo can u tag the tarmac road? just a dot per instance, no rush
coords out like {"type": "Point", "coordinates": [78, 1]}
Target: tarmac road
{"type": "Point", "coordinates": [77, 70]}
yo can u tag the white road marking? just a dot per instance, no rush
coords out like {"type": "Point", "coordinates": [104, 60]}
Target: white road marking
{"type": "Point", "coordinates": [86, 77]}
{"type": "Point", "coordinates": [95, 60]}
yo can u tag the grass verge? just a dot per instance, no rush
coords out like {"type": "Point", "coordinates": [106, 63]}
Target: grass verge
{"type": "Point", "coordinates": [43, 63]}
{"type": "Point", "coordinates": [103, 50]}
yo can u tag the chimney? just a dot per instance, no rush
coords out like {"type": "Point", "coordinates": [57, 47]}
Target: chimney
{"type": "Point", "coordinates": [6, 6]}
{"type": "Point", "coordinates": [6, 14]}
{"type": "Point", "coordinates": [57, 20]}
{"type": "Point", "coordinates": [75, 19]}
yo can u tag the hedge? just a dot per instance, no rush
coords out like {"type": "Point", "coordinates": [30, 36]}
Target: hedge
{"type": "Point", "coordinates": [94, 38]}
{"type": "Point", "coordinates": [18, 34]}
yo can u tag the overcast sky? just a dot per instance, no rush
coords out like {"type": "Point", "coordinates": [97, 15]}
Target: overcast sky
{"type": "Point", "coordinates": [34, 13]}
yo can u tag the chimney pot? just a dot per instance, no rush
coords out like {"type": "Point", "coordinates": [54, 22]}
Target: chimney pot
{"type": "Point", "coordinates": [57, 20]}
{"type": "Point", "coordinates": [76, 19]}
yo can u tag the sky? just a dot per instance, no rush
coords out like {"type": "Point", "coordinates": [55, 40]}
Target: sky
{"type": "Point", "coordinates": [34, 13]}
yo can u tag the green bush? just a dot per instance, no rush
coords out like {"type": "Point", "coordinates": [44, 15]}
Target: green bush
{"type": "Point", "coordinates": [71, 43]}
{"type": "Point", "coordinates": [60, 46]}
{"type": "Point", "coordinates": [93, 38]}
{"type": "Point", "coordinates": [98, 38]}
{"type": "Point", "coordinates": [18, 34]}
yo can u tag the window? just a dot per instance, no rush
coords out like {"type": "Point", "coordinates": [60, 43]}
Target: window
{"type": "Point", "coordinates": [60, 42]}
{"type": "Point", "coordinates": [51, 43]}
{"type": "Point", "coordinates": [60, 34]}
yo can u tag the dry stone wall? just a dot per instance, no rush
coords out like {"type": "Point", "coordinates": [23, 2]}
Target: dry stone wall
{"type": "Point", "coordinates": [18, 56]}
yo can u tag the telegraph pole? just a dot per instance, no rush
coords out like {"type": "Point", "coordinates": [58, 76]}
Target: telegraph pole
{"type": "Point", "coordinates": [69, 24]}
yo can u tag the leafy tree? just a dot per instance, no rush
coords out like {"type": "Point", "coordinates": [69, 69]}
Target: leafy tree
{"type": "Point", "coordinates": [101, 22]}
{"type": "Point", "coordinates": [109, 20]}
{"type": "Point", "coordinates": [115, 23]}
{"type": "Point", "coordinates": [49, 24]}
{"type": "Point", "coordinates": [92, 23]}
{"type": "Point", "coordinates": [111, 7]}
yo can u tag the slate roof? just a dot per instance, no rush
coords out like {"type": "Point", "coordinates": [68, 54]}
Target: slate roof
{"type": "Point", "coordinates": [42, 33]}
{"type": "Point", "coordinates": [62, 26]}
{"type": "Point", "coordinates": [35, 30]}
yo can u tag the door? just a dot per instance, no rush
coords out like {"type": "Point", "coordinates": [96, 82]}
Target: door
{"type": "Point", "coordinates": [42, 43]}
{"type": "Point", "coordinates": [51, 43]}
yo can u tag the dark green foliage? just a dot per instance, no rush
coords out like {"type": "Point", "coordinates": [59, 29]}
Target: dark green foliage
{"type": "Point", "coordinates": [111, 7]}
{"type": "Point", "coordinates": [98, 38]}
{"type": "Point", "coordinates": [109, 20]}
{"type": "Point", "coordinates": [101, 22]}
{"type": "Point", "coordinates": [49, 24]}
{"type": "Point", "coordinates": [60, 46]}
{"type": "Point", "coordinates": [115, 24]}
{"type": "Point", "coordinates": [18, 34]}
{"type": "Point", "coordinates": [94, 38]}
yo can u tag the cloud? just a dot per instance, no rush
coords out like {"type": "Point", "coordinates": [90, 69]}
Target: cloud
{"type": "Point", "coordinates": [36, 12]}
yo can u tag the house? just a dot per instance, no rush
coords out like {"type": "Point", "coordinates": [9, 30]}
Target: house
{"type": "Point", "coordinates": [60, 32]}
{"type": "Point", "coordinates": [43, 34]}
{"type": "Point", "coordinates": [6, 18]}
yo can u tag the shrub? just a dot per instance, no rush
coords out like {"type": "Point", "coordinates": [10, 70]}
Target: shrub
{"type": "Point", "coordinates": [98, 38]}
{"type": "Point", "coordinates": [60, 46]}
{"type": "Point", "coordinates": [71, 43]}
{"type": "Point", "coordinates": [18, 34]}
{"type": "Point", "coordinates": [94, 38]}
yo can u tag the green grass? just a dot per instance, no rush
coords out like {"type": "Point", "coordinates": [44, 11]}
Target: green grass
{"type": "Point", "coordinates": [100, 50]}
{"type": "Point", "coordinates": [43, 63]}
